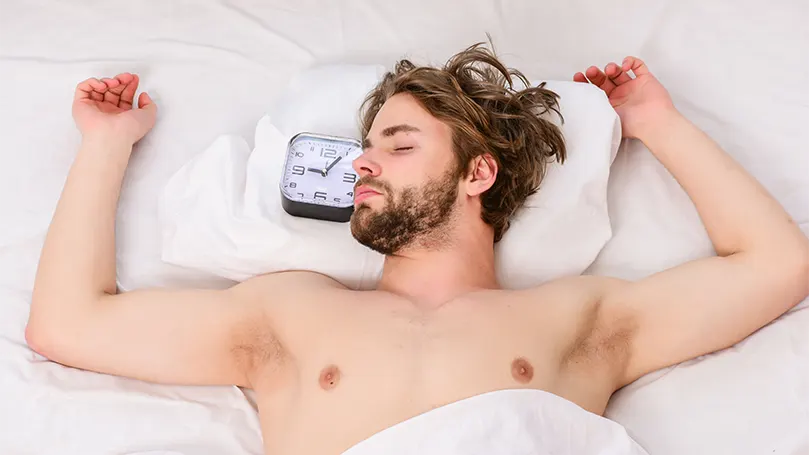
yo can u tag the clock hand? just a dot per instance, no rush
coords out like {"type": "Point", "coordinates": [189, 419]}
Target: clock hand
{"type": "Point", "coordinates": [328, 168]}
{"type": "Point", "coordinates": [319, 171]}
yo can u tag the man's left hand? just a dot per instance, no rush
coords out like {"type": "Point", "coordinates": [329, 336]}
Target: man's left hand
{"type": "Point", "coordinates": [641, 102]}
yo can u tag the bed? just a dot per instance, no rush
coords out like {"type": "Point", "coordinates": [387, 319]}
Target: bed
{"type": "Point", "coordinates": [739, 69]}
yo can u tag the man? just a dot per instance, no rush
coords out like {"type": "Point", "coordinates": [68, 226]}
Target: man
{"type": "Point", "coordinates": [449, 155]}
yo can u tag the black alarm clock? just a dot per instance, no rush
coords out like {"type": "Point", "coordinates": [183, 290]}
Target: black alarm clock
{"type": "Point", "coordinates": [318, 180]}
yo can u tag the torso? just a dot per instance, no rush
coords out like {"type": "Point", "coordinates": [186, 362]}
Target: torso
{"type": "Point", "coordinates": [344, 364]}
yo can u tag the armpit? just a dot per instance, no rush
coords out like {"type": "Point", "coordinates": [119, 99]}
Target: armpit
{"type": "Point", "coordinates": [256, 347]}
{"type": "Point", "coordinates": [602, 340]}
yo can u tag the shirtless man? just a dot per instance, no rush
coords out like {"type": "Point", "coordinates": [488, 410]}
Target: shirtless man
{"type": "Point", "coordinates": [448, 157]}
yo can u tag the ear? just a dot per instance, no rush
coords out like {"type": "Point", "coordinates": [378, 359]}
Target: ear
{"type": "Point", "coordinates": [481, 175]}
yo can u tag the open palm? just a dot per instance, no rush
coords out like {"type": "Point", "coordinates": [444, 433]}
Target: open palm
{"type": "Point", "coordinates": [106, 107]}
{"type": "Point", "coordinates": [638, 101]}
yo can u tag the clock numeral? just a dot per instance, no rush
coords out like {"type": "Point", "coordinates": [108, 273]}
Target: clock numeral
{"type": "Point", "coordinates": [292, 185]}
{"type": "Point", "coordinates": [328, 153]}
{"type": "Point", "coordinates": [349, 177]}
{"type": "Point", "coordinates": [350, 193]}
{"type": "Point", "coordinates": [312, 148]}
{"type": "Point", "coordinates": [299, 154]}
{"type": "Point", "coordinates": [298, 170]}
{"type": "Point", "coordinates": [337, 199]}
{"type": "Point", "coordinates": [320, 195]}
{"type": "Point", "coordinates": [300, 194]}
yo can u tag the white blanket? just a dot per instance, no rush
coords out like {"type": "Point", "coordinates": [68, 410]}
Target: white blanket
{"type": "Point", "coordinates": [505, 422]}
{"type": "Point", "coordinates": [737, 68]}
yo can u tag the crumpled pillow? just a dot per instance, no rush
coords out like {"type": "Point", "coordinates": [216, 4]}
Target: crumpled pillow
{"type": "Point", "coordinates": [221, 212]}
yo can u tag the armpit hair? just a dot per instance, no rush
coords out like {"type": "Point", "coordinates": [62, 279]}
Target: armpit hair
{"type": "Point", "coordinates": [257, 347]}
{"type": "Point", "coordinates": [602, 339]}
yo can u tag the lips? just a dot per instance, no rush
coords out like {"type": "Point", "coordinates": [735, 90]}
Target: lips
{"type": "Point", "coordinates": [363, 193]}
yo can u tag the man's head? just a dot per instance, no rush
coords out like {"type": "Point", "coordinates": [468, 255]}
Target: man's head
{"type": "Point", "coordinates": [449, 147]}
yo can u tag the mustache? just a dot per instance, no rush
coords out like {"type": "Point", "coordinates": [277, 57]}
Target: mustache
{"type": "Point", "coordinates": [374, 183]}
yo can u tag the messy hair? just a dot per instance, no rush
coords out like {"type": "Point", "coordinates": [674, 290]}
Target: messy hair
{"type": "Point", "coordinates": [475, 95]}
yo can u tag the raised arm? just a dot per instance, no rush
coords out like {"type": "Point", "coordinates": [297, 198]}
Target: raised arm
{"type": "Point", "coordinates": [762, 267]}
{"type": "Point", "coordinates": [189, 337]}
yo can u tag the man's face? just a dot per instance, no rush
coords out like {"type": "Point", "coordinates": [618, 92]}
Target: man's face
{"type": "Point", "coordinates": [408, 186]}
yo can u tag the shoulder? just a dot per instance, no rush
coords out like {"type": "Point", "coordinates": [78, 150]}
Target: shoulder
{"type": "Point", "coordinates": [279, 303]}
{"type": "Point", "coordinates": [283, 284]}
{"type": "Point", "coordinates": [574, 295]}
{"type": "Point", "coordinates": [584, 285]}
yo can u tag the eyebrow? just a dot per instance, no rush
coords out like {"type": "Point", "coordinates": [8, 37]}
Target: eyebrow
{"type": "Point", "coordinates": [391, 131]}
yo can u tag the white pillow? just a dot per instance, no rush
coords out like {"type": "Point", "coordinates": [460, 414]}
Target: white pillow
{"type": "Point", "coordinates": [221, 212]}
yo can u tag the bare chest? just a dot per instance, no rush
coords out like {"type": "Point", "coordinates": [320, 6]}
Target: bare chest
{"type": "Point", "coordinates": [357, 369]}
{"type": "Point", "coordinates": [429, 361]}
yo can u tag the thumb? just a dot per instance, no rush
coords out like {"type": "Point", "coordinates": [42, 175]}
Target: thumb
{"type": "Point", "coordinates": [146, 112]}
{"type": "Point", "coordinates": [145, 101]}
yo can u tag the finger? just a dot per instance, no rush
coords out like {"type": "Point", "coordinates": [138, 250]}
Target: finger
{"type": "Point", "coordinates": [97, 85]}
{"type": "Point", "coordinates": [118, 84]}
{"type": "Point", "coordinates": [125, 78]}
{"type": "Point", "coordinates": [112, 85]}
{"type": "Point", "coordinates": [98, 89]}
{"type": "Point", "coordinates": [579, 77]}
{"type": "Point", "coordinates": [617, 75]}
{"type": "Point", "coordinates": [147, 111]}
{"type": "Point", "coordinates": [83, 90]}
{"type": "Point", "coordinates": [128, 94]}
{"type": "Point", "coordinates": [597, 77]}
{"type": "Point", "coordinates": [97, 95]}
{"type": "Point", "coordinates": [91, 88]}
{"type": "Point", "coordinates": [144, 101]}
{"type": "Point", "coordinates": [636, 65]}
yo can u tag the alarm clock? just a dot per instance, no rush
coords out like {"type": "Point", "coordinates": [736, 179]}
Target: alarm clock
{"type": "Point", "coordinates": [318, 180]}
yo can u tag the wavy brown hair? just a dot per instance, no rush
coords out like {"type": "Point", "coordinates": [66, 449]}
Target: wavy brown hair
{"type": "Point", "coordinates": [475, 95]}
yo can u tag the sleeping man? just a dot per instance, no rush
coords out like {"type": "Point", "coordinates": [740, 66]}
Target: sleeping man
{"type": "Point", "coordinates": [449, 155]}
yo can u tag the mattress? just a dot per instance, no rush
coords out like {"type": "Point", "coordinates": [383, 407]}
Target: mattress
{"type": "Point", "coordinates": [739, 69]}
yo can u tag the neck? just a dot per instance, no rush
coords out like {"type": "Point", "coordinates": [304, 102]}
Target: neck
{"type": "Point", "coordinates": [431, 277]}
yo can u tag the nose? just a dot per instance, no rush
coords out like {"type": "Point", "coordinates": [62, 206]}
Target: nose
{"type": "Point", "coordinates": [364, 165]}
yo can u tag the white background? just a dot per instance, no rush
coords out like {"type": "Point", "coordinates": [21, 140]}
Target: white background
{"type": "Point", "coordinates": [739, 69]}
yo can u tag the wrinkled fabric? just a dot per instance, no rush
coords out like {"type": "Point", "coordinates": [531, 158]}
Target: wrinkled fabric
{"type": "Point", "coordinates": [221, 212]}
{"type": "Point", "coordinates": [505, 422]}
{"type": "Point", "coordinates": [737, 68]}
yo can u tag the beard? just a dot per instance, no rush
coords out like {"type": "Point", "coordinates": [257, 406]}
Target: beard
{"type": "Point", "coordinates": [417, 217]}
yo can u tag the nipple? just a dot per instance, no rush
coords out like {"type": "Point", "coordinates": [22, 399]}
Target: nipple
{"type": "Point", "coordinates": [522, 370]}
{"type": "Point", "coordinates": [329, 377]}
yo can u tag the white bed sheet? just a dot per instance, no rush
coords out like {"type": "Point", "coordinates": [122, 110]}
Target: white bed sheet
{"type": "Point", "coordinates": [739, 69]}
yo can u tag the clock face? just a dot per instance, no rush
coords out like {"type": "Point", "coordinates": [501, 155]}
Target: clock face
{"type": "Point", "coordinates": [318, 170]}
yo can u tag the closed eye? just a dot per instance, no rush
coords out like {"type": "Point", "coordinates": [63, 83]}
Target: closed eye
{"type": "Point", "coordinates": [402, 149]}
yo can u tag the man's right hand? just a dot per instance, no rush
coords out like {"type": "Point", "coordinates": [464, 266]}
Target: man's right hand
{"type": "Point", "coordinates": [77, 316]}
{"type": "Point", "coordinates": [105, 108]}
